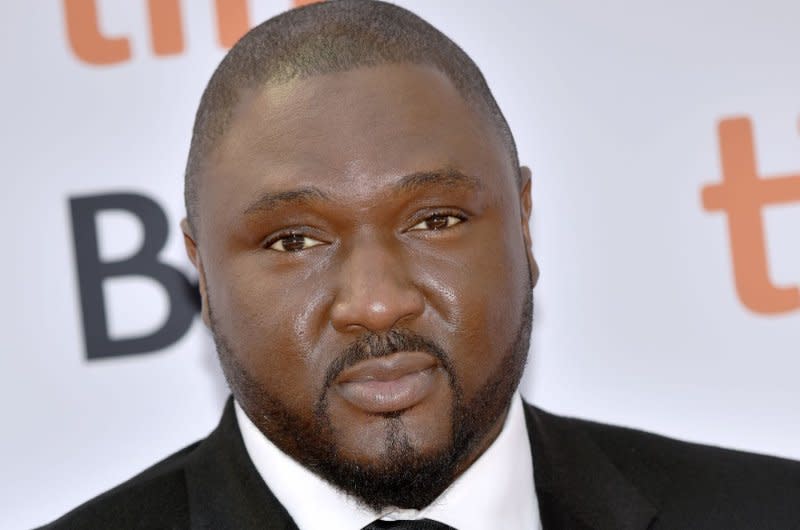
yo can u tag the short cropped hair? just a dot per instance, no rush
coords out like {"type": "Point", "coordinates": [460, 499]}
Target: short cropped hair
{"type": "Point", "coordinates": [323, 38]}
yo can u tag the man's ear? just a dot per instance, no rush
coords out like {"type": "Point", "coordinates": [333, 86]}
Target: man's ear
{"type": "Point", "coordinates": [526, 209]}
{"type": "Point", "coordinates": [194, 256]}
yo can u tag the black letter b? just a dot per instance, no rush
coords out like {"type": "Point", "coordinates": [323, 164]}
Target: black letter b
{"type": "Point", "coordinates": [92, 271]}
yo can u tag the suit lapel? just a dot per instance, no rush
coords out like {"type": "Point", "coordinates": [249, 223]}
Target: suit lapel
{"type": "Point", "coordinates": [224, 488]}
{"type": "Point", "coordinates": [577, 486]}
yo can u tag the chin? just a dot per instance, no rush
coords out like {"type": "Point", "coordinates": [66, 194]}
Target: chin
{"type": "Point", "coordinates": [391, 471]}
{"type": "Point", "coordinates": [382, 438]}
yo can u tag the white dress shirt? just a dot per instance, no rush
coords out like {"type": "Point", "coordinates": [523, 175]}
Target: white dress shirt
{"type": "Point", "coordinates": [496, 491]}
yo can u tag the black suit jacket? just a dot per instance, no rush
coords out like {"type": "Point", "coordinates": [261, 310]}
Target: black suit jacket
{"type": "Point", "coordinates": [587, 476]}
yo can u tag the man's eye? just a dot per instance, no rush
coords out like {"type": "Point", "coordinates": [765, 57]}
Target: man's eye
{"type": "Point", "coordinates": [437, 222]}
{"type": "Point", "coordinates": [294, 243]}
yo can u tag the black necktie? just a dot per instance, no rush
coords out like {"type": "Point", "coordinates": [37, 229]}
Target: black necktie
{"type": "Point", "coordinates": [420, 524]}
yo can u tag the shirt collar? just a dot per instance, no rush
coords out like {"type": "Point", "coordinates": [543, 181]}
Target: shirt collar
{"type": "Point", "coordinates": [496, 491]}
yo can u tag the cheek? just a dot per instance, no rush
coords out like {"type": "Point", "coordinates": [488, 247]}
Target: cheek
{"type": "Point", "coordinates": [486, 295]}
{"type": "Point", "coordinates": [271, 320]}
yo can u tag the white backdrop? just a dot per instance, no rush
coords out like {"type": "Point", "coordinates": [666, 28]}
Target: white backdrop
{"type": "Point", "coordinates": [614, 104]}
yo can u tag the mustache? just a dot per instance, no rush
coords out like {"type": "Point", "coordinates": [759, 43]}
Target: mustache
{"type": "Point", "coordinates": [376, 345]}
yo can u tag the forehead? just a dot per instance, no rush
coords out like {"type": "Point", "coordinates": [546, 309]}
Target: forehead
{"type": "Point", "coordinates": [352, 134]}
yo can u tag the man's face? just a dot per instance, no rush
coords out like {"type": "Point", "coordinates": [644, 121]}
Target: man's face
{"type": "Point", "coordinates": [364, 265]}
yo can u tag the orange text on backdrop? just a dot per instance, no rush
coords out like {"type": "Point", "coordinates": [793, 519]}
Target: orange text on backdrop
{"type": "Point", "coordinates": [742, 195]}
{"type": "Point", "coordinates": [166, 29]}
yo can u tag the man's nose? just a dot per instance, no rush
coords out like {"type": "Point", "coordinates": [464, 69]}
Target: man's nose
{"type": "Point", "coordinates": [375, 292]}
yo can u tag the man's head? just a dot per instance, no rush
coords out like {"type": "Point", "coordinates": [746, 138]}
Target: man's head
{"type": "Point", "coordinates": [359, 223]}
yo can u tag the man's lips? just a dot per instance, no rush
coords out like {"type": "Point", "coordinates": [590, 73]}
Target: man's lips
{"type": "Point", "coordinates": [388, 384]}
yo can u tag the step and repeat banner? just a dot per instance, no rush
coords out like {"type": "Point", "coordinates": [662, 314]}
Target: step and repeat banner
{"type": "Point", "coordinates": [664, 139]}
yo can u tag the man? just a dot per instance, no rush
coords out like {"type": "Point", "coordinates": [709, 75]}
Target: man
{"type": "Point", "coordinates": [359, 222]}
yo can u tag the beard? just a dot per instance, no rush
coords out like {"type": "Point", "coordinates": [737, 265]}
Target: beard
{"type": "Point", "coordinates": [403, 477]}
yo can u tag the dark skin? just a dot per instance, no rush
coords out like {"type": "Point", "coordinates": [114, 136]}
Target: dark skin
{"type": "Point", "coordinates": [356, 202]}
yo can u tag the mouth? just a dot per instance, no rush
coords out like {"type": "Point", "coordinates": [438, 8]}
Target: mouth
{"type": "Point", "coordinates": [388, 384]}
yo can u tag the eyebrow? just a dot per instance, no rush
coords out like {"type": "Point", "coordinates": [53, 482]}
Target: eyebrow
{"type": "Point", "coordinates": [413, 182]}
{"type": "Point", "coordinates": [438, 178]}
{"type": "Point", "coordinates": [271, 200]}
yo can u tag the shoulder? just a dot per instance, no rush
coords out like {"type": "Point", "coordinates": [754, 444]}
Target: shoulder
{"type": "Point", "coordinates": [691, 478]}
{"type": "Point", "coordinates": [644, 452]}
{"type": "Point", "coordinates": [155, 498]}
{"type": "Point", "coordinates": [209, 484]}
